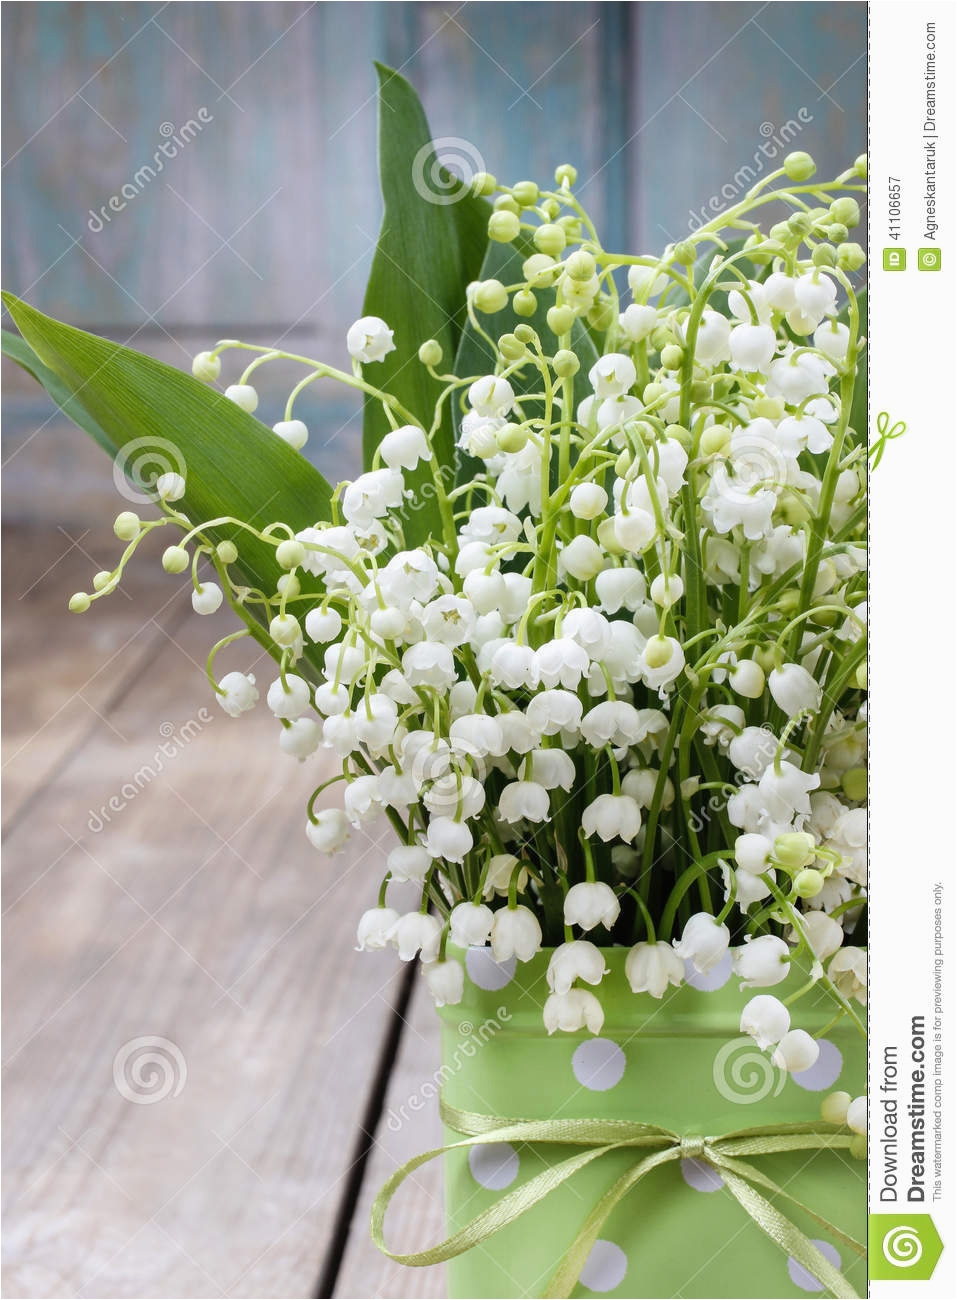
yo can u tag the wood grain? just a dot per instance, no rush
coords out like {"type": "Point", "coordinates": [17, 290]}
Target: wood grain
{"type": "Point", "coordinates": [198, 915]}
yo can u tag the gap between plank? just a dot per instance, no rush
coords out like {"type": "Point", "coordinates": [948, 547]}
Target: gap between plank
{"type": "Point", "coordinates": [365, 1141]}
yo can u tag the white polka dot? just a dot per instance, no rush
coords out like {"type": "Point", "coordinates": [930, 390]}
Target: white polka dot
{"type": "Point", "coordinates": [799, 1274]}
{"type": "Point", "coordinates": [494, 1164]}
{"type": "Point", "coordinates": [716, 977]}
{"type": "Point", "coordinates": [485, 971]}
{"type": "Point", "coordinates": [824, 1072]}
{"type": "Point", "coordinates": [701, 1176]}
{"type": "Point", "coordinates": [598, 1064]}
{"type": "Point", "coordinates": [605, 1267]}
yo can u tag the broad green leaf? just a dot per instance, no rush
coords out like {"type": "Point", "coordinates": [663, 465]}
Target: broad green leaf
{"type": "Point", "coordinates": [152, 416]}
{"type": "Point", "coordinates": [476, 357]}
{"type": "Point", "coordinates": [18, 350]}
{"type": "Point", "coordinates": [433, 239]}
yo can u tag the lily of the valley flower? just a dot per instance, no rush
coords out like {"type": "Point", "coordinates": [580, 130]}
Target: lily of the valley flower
{"type": "Point", "coordinates": [651, 967]}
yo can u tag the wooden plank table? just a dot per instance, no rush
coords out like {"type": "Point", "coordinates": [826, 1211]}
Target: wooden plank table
{"type": "Point", "coordinates": [192, 914]}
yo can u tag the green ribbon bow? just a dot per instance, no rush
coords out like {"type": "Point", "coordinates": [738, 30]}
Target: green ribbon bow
{"type": "Point", "coordinates": [600, 1136]}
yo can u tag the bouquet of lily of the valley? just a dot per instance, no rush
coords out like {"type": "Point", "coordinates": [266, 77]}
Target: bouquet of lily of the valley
{"type": "Point", "coordinates": [589, 626]}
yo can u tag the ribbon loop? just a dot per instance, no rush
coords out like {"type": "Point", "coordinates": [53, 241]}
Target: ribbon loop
{"type": "Point", "coordinates": [600, 1136]}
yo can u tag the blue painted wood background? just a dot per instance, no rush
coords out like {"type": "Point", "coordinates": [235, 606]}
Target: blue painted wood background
{"type": "Point", "coordinates": [263, 223]}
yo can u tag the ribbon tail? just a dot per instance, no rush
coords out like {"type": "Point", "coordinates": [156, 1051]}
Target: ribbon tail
{"type": "Point", "coordinates": [786, 1234]}
{"type": "Point", "coordinates": [754, 1175]}
{"type": "Point", "coordinates": [562, 1282]}
{"type": "Point", "coordinates": [489, 1221]}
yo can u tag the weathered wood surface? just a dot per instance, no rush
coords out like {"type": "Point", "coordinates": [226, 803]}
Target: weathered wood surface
{"type": "Point", "coordinates": [198, 915]}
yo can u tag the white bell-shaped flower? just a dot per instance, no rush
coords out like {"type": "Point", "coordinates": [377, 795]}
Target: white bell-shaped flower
{"type": "Point", "coordinates": [404, 447]}
{"type": "Point", "coordinates": [797, 1051]}
{"type": "Point", "coordinates": [237, 693]}
{"type": "Point", "coordinates": [207, 598]}
{"type": "Point", "coordinates": [470, 925]}
{"type": "Point", "coordinates": [752, 347]}
{"type": "Point", "coordinates": [523, 801]}
{"type": "Point", "coordinates": [793, 689]}
{"type": "Point", "coordinates": [289, 699]}
{"type": "Point", "coordinates": [752, 750]}
{"type": "Point", "coordinates": [562, 662]}
{"type": "Point", "coordinates": [448, 839]}
{"type": "Point", "coordinates": [408, 862]}
{"type": "Point", "coordinates": [662, 661]}
{"type": "Point", "coordinates": [590, 629]}
{"type": "Point", "coordinates": [330, 830]}
{"type": "Point", "coordinates": [856, 1118]}
{"type": "Point", "coordinates": [623, 588]}
{"type": "Point", "coordinates": [491, 396]}
{"type": "Point", "coordinates": [703, 942]}
{"type": "Point", "coordinates": [613, 722]}
{"type": "Point", "coordinates": [785, 789]}
{"type": "Point", "coordinates": [582, 558]}
{"type": "Point", "coordinates": [651, 967]}
{"type": "Point", "coordinates": [448, 620]}
{"type": "Point", "coordinates": [752, 852]}
{"type": "Point", "coordinates": [514, 666]}
{"type": "Point", "coordinates": [552, 768]}
{"type": "Point", "coordinates": [576, 960]}
{"type": "Point", "coordinates": [429, 663]}
{"type": "Point", "coordinates": [571, 1011]}
{"type": "Point", "coordinates": [553, 711]}
{"type": "Point", "coordinates": [824, 934]}
{"type": "Point", "coordinates": [417, 932]}
{"type": "Point", "coordinates": [446, 981]}
{"type": "Point", "coordinates": [765, 1019]}
{"type": "Point", "coordinates": [637, 321]}
{"type": "Point", "coordinates": [323, 624]}
{"type": "Point", "coordinates": [612, 816]}
{"type": "Point", "coordinates": [612, 375]}
{"type": "Point", "coordinates": [591, 903]}
{"type": "Point", "coordinates": [762, 962]}
{"type": "Point", "coordinates": [515, 933]}
{"type": "Point", "coordinates": [376, 929]}
{"type": "Point", "coordinates": [369, 339]}
{"type": "Point", "coordinates": [478, 735]}
{"type": "Point", "coordinates": [301, 738]}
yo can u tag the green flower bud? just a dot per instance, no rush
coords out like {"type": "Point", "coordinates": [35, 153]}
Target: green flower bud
{"type": "Point", "coordinates": [851, 256]}
{"type": "Point", "coordinates": [660, 337]}
{"type": "Point", "coordinates": [525, 334]}
{"type": "Point", "coordinates": [430, 353]}
{"type": "Point", "coordinates": [101, 579]}
{"type": "Point", "coordinates": [512, 438]}
{"type": "Point", "coordinates": [525, 193]}
{"type": "Point", "coordinates": [490, 296]}
{"type": "Point", "coordinates": [764, 655]}
{"type": "Point", "coordinates": [550, 239]}
{"type": "Point", "coordinates": [524, 303]}
{"type": "Point", "coordinates": [657, 651]}
{"type": "Point", "coordinates": [601, 315]}
{"type": "Point", "coordinates": [227, 552]}
{"type": "Point", "coordinates": [680, 434]}
{"type": "Point", "coordinates": [834, 1107]}
{"type": "Point", "coordinates": [700, 390]}
{"type": "Point", "coordinates": [799, 166]}
{"type": "Point", "coordinates": [799, 223]}
{"type": "Point", "coordinates": [175, 559]}
{"type": "Point", "coordinates": [824, 255]}
{"type": "Point", "coordinates": [290, 553]}
{"type": "Point", "coordinates": [607, 539]}
{"type": "Point", "coordinates": [714, 440]}
{"type": "Point", "coordinates": [788, 601]}
{"type": "Point", "coordinates": [565, 364]}
{"type": "Point", "coordinates": [505, 203]}
{"type": "Point", "coordinates": [837, 233]}
{"type": "Point", "coordinates": [860, 677]}
{"type": "Point", "coordinates": [858, 1147]}
{"type": "Point", "coordinates": [79, 603]}
{"type": "Point", "coordinates": [722, 385]}
{"type": "Point", "coordinates": [794, 850]}
{"type": "Point", "coordinates": [565, 174]}
{"type": "Point", "coordinates": [672, 357]}
{"type": "Point", "coordinates": [623, 463]}
{"type": "Point", "coordinates": [781, 233]}
{"type": "Point", "coordinates": [652, 393]}
{"type": "Point", "coordinates": [560, 319]}
{"type": "Point", "coordinates": [511, 348]}
{"type": "Point", "coordinates": [580, 266]}
{"type": "Point", "coordinates": [206, 367]}
{"type": "Point", "coordinates": [503, 227]}
{"type": "Point", "coordinates": [860, 166]}
{"type": "Point", "coordinates": [483, 183]}
{"type": "Point", "coordinates": [854, 783]}
{"type": "Point", "coordinates": [808, 883]}
{"type": "Point", "coordinates": [752, 244]}
{"type": "Point", "coordinates": [685, 252]}
{"type": "Point", "coordinates": [549, 209]}
{"type": "Point", "coordinates": [846, 211]}
{"type": "Point", "coordinates": [540, 269]}
{"type": "Point", "coordinates": [769, 408]}
{"type": "Point", "coordinates": [572, 227]}
{"type": "Point", "coordinates": [288, 585]}
{"type": "Point", "coordinates": [126, 526]}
